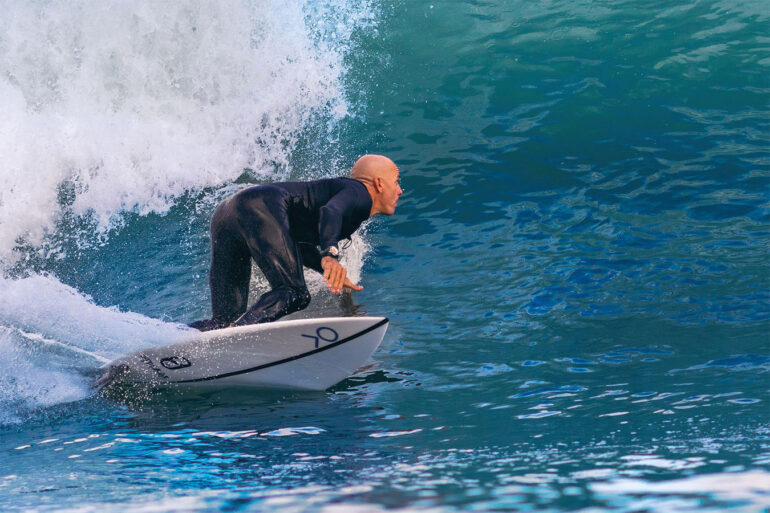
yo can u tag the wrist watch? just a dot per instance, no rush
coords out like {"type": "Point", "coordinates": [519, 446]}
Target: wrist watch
{"type": "Point", "coordinates": [331, 251]}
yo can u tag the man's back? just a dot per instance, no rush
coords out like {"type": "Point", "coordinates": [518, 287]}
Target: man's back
{"type": "Point", "coordinates": [321, 212]}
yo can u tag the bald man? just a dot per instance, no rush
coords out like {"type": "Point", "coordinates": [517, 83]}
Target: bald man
{"type": "Point", "coordinates": [285, 226]}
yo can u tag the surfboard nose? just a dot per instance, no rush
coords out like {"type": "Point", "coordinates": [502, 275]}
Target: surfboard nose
{"type": "Point", "coordinates": [364, 323]}
{"type": "Point", "coordinates": [367, 326]}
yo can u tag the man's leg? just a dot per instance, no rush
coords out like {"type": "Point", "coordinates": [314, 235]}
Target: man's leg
{"type": "Point", "coordinates": [229, 279]}
{"type": "Point", "coordinates": [264, 223]}
{"type": "Point", "coordinates": [230, 270]}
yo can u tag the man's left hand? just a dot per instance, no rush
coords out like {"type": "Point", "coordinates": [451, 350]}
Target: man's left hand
{"type": "Point", "coordinates": [335, 276]}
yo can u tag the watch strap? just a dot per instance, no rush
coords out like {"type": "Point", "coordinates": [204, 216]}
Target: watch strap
{"type": "Point", "coordinates": [331, 251]}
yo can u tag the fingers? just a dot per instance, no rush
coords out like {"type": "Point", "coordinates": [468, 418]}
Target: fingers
{"type": "Point", "coordinates": [350, 285]}
{"type": "Point", "coordinates": [331, 269]}
{"type": "Point", "coordinates": [336, 278]}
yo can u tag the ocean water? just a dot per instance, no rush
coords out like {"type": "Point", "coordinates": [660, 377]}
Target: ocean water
{"type": "Point", "coordinates": [577, 275]}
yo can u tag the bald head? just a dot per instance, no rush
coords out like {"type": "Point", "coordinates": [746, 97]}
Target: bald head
{"type": "Point", "coordinates": [369, 167]}
{"type": "Point", "coordinates": [380, 176]}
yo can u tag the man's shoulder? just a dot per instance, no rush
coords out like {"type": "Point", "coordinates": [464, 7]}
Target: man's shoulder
{"type": "Point", "coordinates": [352, 183]}
{"type": "Point", "coordinates": [338, 184]}
{"type": "Point", "coordinates": [341, 180]}
{"type": "Point", "coordinates": [342, 189]}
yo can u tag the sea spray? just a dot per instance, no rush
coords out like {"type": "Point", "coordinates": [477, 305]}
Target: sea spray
{"type": "Point", "coordinates": [114, 106]}
{"type": "Point", "coordinates": [53, 336]}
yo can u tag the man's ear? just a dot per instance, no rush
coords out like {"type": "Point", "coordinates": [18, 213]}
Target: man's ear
{"type": "Point", "coordinates": [378, 183]}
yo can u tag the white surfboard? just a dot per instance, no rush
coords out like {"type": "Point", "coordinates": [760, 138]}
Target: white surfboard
{"type": "Point", "coordinates": [306, 354]}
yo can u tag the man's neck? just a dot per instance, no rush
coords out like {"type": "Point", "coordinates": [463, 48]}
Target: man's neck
{"type": "Point", "coordinates": [372, 194]}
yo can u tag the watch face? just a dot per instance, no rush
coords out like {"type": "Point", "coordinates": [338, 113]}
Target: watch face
{"type": "Point", "coordinates": [334, 251]}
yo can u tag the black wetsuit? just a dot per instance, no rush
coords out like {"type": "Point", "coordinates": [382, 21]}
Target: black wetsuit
{"type": "Point", "coordinates": [280, 226]}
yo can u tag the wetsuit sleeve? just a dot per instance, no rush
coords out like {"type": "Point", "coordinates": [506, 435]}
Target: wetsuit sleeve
{"type": "Point", "coordinates": [337, 212]}
{"type": "Point", "coordinates": [311, 258]}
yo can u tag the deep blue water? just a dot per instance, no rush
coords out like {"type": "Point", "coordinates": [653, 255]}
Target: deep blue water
{"type": "Point", "coordinates": [577, 274]}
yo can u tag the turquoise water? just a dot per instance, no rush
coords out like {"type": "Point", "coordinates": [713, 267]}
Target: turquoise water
{"type": "Point", "coordinates": [577, 275]}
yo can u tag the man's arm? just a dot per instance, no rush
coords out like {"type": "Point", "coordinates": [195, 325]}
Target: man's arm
{"type": "Point", "coordinates": [334, 215]}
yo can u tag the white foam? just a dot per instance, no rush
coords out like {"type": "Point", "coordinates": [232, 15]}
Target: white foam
{"type": "Point", "coordinates": [28, 381]}
{"type": "Point", "coordinates": [127, 105]}
{"type": "Point", "coordinates": [53, 337]}
{"type": "Point", "coordinates": [48, 309]}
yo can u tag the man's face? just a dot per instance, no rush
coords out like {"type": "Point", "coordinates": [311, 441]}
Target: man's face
{"type": "Point", "coordinates": [391, 190]}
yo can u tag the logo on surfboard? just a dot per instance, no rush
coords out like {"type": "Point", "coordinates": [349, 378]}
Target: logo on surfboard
{"type": "Point", "coordinates": [175, 362]}
{"type": "Point", "coordinates": [323, 333]}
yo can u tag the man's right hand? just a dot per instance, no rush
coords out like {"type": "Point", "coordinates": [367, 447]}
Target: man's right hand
{"type": "Point", "coordinates": [335, 276]}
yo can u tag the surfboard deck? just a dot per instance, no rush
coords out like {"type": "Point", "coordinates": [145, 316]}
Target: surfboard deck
{"type": "Point", "coordinates": [304, 354]}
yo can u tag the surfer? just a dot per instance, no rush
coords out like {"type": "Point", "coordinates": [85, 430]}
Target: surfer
{"type": "Point", "coordinates": [285, 226]}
